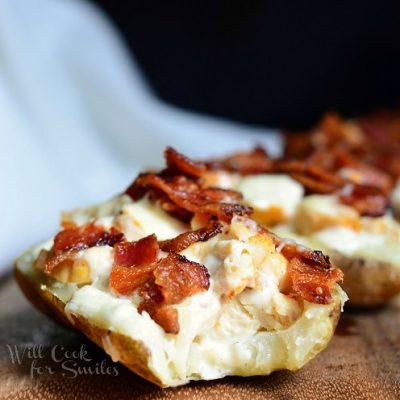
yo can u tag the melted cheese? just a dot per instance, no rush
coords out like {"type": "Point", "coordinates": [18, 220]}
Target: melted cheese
{"type": "Point", "coordinates": [144, 218]}
{"type": "Point", "coordinates": [274, 198]}
{"type": "Point", "coordinates": [317, 212]}
{"type": "Point", "coordinates": [242, 325]}
{"type": "Point", "coordinates": [366, 245]}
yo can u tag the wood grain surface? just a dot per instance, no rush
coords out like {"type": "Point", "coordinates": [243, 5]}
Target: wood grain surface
{"type": "Point", "coordinates": [362, 362]}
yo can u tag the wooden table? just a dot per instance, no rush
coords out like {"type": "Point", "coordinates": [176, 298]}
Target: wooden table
{"type": "Point", "coordinates": [362, 362]}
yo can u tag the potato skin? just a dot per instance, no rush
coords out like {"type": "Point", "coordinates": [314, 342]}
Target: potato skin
{"type": "Point", "coordinates": [368, 283]}
{"type": "Point", "coordinates": [133, 354]}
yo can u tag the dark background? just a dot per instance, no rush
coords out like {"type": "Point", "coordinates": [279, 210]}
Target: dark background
{"type": "Point", "coordinates": [276, 63]}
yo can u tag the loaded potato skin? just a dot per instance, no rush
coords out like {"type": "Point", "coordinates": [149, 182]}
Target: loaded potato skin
{"type": "Point", "coordinates": [176, 281]}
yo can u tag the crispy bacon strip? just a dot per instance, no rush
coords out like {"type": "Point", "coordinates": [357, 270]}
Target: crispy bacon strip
{"type": "Point", "coordinates": [178, 164]}
{"type": "Point", "coordinates": [89, 235]}
{"type": "Point", "coordinates": [161, 283]}
{"type": "Point", "coordinates": [314, 178]}
{"type": "Point", "coordinates": [134, 263]}
{"type": "Point", "coordinates": [190, 196]}
{"type": "Point", "coordinates": [367, 200]}
{"type": "Point", "coordinates": [124, 280]}
{"type": "Point", "coordinates": [179, 278]}
{"type": "Point", "coordinates": [70, 241]}
{"type": "Point", "coordinates": [312, 283]}
{"type": "Point", "coordinates": [164, 315]}
{"type": "Point", "coordinates": [254, 162]}
{"type": "Point", "coordinates": [185, 239]}
{"type": "Point", "coordinates": [310, 271]}
{"type": "Point", "coordinates": [134, 254]}
{"type": "Point", "coordinates": [54, 260]}
{"type": "Point", "coordinates": [176, 278]}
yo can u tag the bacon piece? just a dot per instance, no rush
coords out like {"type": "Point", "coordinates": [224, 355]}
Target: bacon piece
{"type": "Point", "coordinates": [124, 280]}
{"type": "Point", "coordinates": [367, 200]}
{"type": "Point", "coordinates": [178, 164]}
{"type": "Point", "coordinates": [134, 263]}
{"type": "Point", "coordinates": [254, 162]}
{"type": "Point", "coordinates": [185, 239]}
{"type": "Point", "coordinates": [133, 254]}
{"type": "Point", "coordinates": [54, 260]}
{"type": "Point", "coordinates": [164, 315]}
{"type": "Point", "coordinates": [311, 272]}
{"type": "Point", "coordinates": [190, 196]}
{"type": "Point", "coordinates": [86, 236]}
{"type": "Point", "coordinates": [176, 278]}
{"type": "Point", "coordinates": [179, 278]}
{"type": "Point", "coordinates": [167, 317]}
{"type": "Point", "coordinates": [311, 281]}
{"type": "Point", "coordinates": [70, 241]}
{"type": "Point", "coordinates": [314, 178]}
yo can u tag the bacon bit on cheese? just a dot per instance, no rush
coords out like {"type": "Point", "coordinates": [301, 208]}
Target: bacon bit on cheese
{"type": "Point", "coordinates": [253, 162]}
{"type": "Point", "coordinates": [178, 164]}
{"type": "Point", "coordinates": [184, 240]}
{"type": "Point", "coordinates": [134, 263]}
{"type": "Point", "coordinates": [161, 283]}
{"type": "Point", "coordinates": [175, 279]}
{"type": "Point", "coordinates": [134, 254]}
{"type": "Point", "coordinates": [190, 196]}
{"type": "Point", "coordinates": [367, 200]}
{"type": "Point", "coordinates": [83, 237]}
{"type": "Point", "coordinates": [179, 278]}
{"type": "Point", "coordinates": [70, 241]}
{"type": "Point", "coordinates": [311, 272]}
{"type": "Point", "coordinates": [312, 282]}
{"type": "Point", "coordinates": [124, 280]}
{"type": "Point", "coordinates": [55, 260]}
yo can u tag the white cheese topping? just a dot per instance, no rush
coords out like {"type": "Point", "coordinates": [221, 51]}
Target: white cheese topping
{"type": "Point", "coordinates": [144, 218]}
{"type": "Point", "coordinates": [242, 325]}
{"type": "Point", "coordinates": [268, 190]}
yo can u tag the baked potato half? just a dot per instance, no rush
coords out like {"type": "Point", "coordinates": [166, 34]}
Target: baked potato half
{"type": "Point", "coordinates": [176, 281]}
{"type": "Point", "coordinates": [367, 282]}
{"type": "Point", "coordinates": [218, 336]}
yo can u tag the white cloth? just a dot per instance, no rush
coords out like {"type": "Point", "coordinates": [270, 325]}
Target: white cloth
{"type": "Point", "coordinates": [77, 120]}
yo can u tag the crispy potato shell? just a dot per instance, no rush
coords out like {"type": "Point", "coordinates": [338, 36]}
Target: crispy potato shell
{"type": "Point", "coordinates": [133, 353]}
{"type": "Point", "coordinates": [368, 283]}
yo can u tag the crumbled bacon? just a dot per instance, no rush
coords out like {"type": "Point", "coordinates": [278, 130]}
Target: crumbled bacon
{"type": "Point", "coordinates": [311, 281]}
{"type": "Point", "coordinates": [163, 314]}
{"type": "Point", "coordinates": [311, 272]}
{"type": "Point", "coordinates": [134, 254]}
{"type": "Point", "coordinates": [254, 162]}
{"type": "Point", "coordinates": [185, 239]}
{"type": "Point", "coordinates": [83, 237]}
{"type": "Point", "coordinates": [124, 280]}
{"type": "Point", "coordinates": [190, 196]}
{"type": "Point", "coordinates": [175, 279]}
{"type": "Point", "coordinates": [161, 283]}
{"type": "Point", "coordinates": [179, 278]}
{"type": "Point", "coordinates": [134, 263]}
{"type": "Point", "coordinates": [368, 201]}
{"type": "Point", "coordinates": [54, 260]}
{"type": "Point", "coordinates": [178, 164]}
{"type": "Point", "coordinates": [71, 240]}
{"type": "Point", "coordinates": [314, 178]}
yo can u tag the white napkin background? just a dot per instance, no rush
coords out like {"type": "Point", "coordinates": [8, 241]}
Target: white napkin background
{"type": "Point", "coordinates": [77, 120]}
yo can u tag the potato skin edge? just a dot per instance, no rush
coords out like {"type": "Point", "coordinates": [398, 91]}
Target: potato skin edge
{"type": "Point", "coordinates": [133, 354]}
{"type": "Point", "coordinates": [368, 283]}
